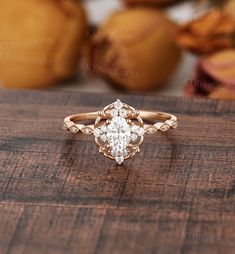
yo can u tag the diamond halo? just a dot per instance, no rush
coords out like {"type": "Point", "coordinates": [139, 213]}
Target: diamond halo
{"type": "Point", "coordinates": [119, 131]}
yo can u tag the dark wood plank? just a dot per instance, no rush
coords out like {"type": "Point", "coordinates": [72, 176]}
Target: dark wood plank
{"type": "Point", "coordinates": [59, 195]}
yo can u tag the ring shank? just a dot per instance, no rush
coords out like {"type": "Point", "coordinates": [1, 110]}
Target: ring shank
{"type": "Point", "coordinates": [84, 116]}
{"type": "Point", "coordinates": [154, 116]}
{"type": "Point", "coordinates": [153, 121]}
{"type": "Point", "coordinates": [145, 115]}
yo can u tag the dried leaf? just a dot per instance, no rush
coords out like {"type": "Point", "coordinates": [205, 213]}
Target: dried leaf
{"type": "Point", "coordinates": [208, 34]}
{"type": "Point", "coordinates": [214, 76]}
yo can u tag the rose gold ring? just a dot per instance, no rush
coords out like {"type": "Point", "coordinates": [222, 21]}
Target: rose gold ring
{"type": "Point", "coordinates": [119, 129]}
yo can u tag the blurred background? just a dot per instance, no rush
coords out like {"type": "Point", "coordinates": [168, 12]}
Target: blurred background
{"type": "Point", "coordinates": [169, 47]}
{"type": "Point", "coordinates": [100, 10]}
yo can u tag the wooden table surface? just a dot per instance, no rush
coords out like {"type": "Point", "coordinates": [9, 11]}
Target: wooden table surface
{"type": "Point", "coordinates": [59, 195]}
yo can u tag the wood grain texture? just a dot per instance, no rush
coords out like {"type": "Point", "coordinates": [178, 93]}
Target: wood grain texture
{"type": "Point", "coordinates": [59, 195]}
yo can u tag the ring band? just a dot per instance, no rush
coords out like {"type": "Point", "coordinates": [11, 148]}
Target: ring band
{"type": "Point", "coordinates": [119, 129]}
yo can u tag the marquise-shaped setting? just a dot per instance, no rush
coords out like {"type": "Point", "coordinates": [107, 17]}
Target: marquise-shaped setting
{"type": "Point", "coordinates": [119, 131]}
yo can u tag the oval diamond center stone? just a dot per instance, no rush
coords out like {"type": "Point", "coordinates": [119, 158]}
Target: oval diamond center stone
{"type": "Point", "coordinates": [118, 134]}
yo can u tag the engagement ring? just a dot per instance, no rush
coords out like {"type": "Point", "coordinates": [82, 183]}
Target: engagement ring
{"type": "Point", "coordinates": [119, 129]}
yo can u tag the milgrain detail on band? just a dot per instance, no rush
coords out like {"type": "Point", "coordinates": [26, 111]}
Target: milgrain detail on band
{"type": "Point", "coordinates": [162, 126]}
{"type": "Point", "coordinates": [119, 129]}
{"type": "Point", "coordinates": [74, 128]}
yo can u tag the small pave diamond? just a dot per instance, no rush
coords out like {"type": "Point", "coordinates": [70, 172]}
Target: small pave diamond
{"type": "Point", "coordinates": [134, 128]}
{"type": "Point", "coordinates": [114, 112]}
{"type": "Point", "coordinates": [125, 153]}
{"type": "Point", "coordinates": [113, 153]}
{"type": "Point", "coordinates": [103, 137]}
{"type": "Point", "coordinates": [172, 123]}
{"type": "Point", "coordinates": [140, 131]}
{"type": "Point", "coordinates": [87, 131]}
{"type": "Point", "coordinates": [165, 127]}
{"type": "Point", "coordinates": [65, 127]}
{"type": "Point", "coordinates": [134, 136]}
{"type": "Point", "coordinates": [74, 129]}
{"type": "Point", "coordinates": [119, 160]}
{"type": "Point", "coordinates": [151, 130]}
{"type": "Point", "coordinates": [97, 132]}
{"type": "Point", "coordinates": [103, 128]}
{"type": "Point", "coordinates": [118, 104]}
{"type": "Point", "coordinates": [122, 112]}
{"type": "Point", "coordinates": [175, 124]}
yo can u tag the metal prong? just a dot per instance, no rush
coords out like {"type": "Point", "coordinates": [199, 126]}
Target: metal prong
{"type": "Point", "coordinates": [100, 113]}
{"type": "Point", "coordinates": [101, 150]}
{"type": "Point", "coordinates": [137, 113]}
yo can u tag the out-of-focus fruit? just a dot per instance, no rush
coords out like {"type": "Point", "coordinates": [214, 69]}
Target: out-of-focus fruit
{"type": "Point", "coordinates": [135, 49]}
{"type": "Point", "coordinates": [39, 41]}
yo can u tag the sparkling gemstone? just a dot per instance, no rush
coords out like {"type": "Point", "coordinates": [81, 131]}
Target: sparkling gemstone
{"type": "Point", "coordinates": [87, 131]}
{"type": "Point", "coordinates": [118, 135]}
{"type": "Point", "coordinates": [113, 153]}
{"type": "Point", "coordinates": [165, 127]}
{"type": "Point", "coordinates": [134, 136]}
{"type": "Point", "coordinates": [97, 132]}
{"type": "Point", "coordinates": [125, 153]}
{"type": "Point", "coordinates": [122, 112]}
{"type": "Point", "coordinates": [65, 127]}
{"type": "Point", "coordinates": [134, 128]}
{"type": "Point", "coordinates": [175, 124]}
{"type": "Point", "coordinates": [151, 130]}
{"type": "Point", "coordinates": [119, 159]}
{"type": "Point", "coordinates": [140, 131]}
{"type": "Point", "coordinates": [114, 112]}
{"type": "Point", "coordinates": [103, 128]}
{"type": "Point", "coordinates": [103, 137]}
{"type": "Point", "coordinates": [74, 129]}
{"type": "Point", "coordinates": [118, 104]}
